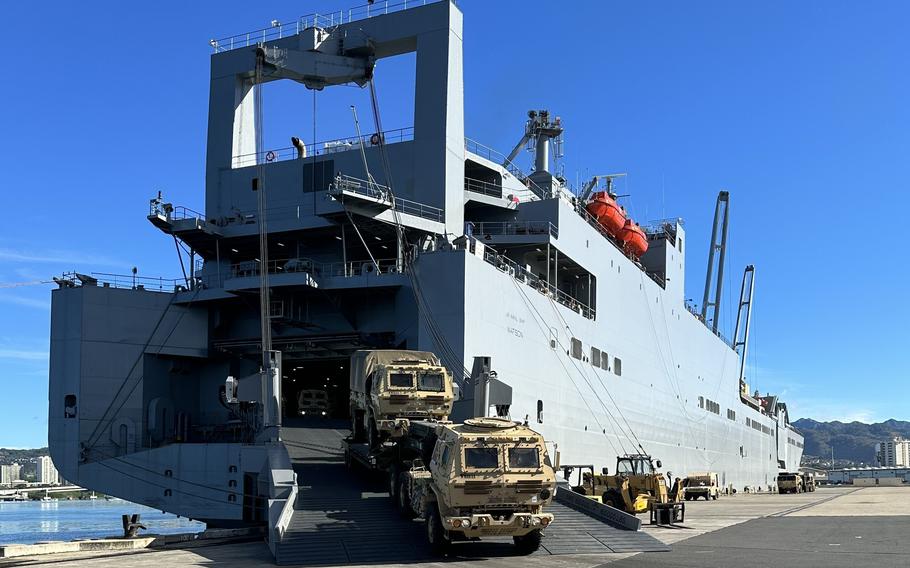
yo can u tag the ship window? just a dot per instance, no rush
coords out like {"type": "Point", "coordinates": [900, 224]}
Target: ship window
{"type": "Point", "coordinates": [595, 356]}
{"type": "Point", "coordinates": [481, 458]}
{"type": "Point", "coordinates": [680, 244]}
{"type": "Point", "coordinates": [576, 348]}
{"type": "Point", "coordinates": [524, 458]}
{"type": "Point", "coordinates": [540, 412]}
{"type": "Point", "coordinates": [430, 382]}
{"type": "Point", "coordinates": [617, 366]}
{"type": "Point", "coordinates": [401, 380]}
{"type": "Point", "coordinates": [604, 361]}
{"type": "Point", "coordinates": [701, 402]}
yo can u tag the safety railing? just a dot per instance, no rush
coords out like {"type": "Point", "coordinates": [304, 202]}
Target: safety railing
{"type": "Point", "coordinates": [475, 147]}
{"type": "Point", "coordinates": [483, 187]}
{"type": "Point", "coordinates": [251, 268]}
{"type": "Point", "coordinates": [122, 281]}
{"type": "Point", "coordinates": [527, 277]}
{"type": "Point", "coordinates": [280, 30]}
{"type": "Point", "coordinates": [348, 184]}
{"type": "Point", "coordinates": [662, 228]}
{"type": "Point", "coordinates": [492, 228]}
{"type": "Point", "coordinates": [321, 148]}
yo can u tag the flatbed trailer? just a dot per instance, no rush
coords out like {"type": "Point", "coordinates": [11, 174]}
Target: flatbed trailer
{"type": "Point", "coordinates": [395, 454]}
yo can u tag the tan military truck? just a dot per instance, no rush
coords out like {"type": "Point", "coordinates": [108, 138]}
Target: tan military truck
{"type": "Point", "coordinates": [789, 483]}
{"type": "Point", "coordinates": [389, 388]}
{"type": "Point", "coordinates": [701, 484]}
{"type": "Point", "coordinates": [486, 477]}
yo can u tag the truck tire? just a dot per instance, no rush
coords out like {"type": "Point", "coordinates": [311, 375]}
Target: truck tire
{"type": "Point", "coordinates": [356, 425]}
{"type": "Point", "coordinates": [393, 483]}
{"type": "Point", "coordinates": [714, 497]}
{"type": "Point", "coordinates": [528, 543]}
{"type": "Point", "coordinates": [436, 535]}
{"type": "Point", "coordinates": [373, 434]}
{"type": "Point", "coordinates": [614, 499]}
{"type": "Point", "coordinates": [404, 500]}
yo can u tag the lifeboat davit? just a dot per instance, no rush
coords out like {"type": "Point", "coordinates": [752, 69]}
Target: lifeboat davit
{"type": "Point", "coordinates": [633, 239]}
{"type": "Point", "coordinates": [607, 212]}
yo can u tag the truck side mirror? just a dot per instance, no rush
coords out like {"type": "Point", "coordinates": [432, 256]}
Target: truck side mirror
{"type": "Point", "coordinates": [658, 464]}
{"type": "Point", "coordinates": [605, 471]}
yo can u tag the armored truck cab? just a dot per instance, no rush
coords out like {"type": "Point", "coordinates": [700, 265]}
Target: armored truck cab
{"type": "Point", "coordinates": [389, 388]}
{"type": "Point", "coordinates": [486, 477]}
{"type": "Point", "coordinates": [701, 484]}
{"type": "Point", "coordinates": [788, 483]}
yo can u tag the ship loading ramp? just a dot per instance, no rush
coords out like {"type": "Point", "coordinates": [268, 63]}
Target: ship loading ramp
{"type": "Point", "coordinates": [345, 516]}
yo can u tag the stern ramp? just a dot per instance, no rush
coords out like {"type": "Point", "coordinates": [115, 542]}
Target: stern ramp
{"type": "Point", "coordinates": [345, 516]}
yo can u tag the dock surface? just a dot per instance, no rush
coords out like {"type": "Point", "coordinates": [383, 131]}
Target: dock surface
{"type": "Point", "coordinates": [832, 527]}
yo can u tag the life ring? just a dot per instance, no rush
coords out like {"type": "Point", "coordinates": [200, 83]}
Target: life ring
{"type": "Point", "coordinates": [374, 139]}
{"type": "Point", "coordinates": [270, 156]}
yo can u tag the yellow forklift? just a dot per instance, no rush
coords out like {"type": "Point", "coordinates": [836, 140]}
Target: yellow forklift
{"type": "Point", "coordinates": [636, 487]}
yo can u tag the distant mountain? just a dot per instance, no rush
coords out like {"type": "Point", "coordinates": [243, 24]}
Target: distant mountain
{"type": "Point", "coordinates": [854, 441]}
{"type": "Point", "coordinates": [9, 455]}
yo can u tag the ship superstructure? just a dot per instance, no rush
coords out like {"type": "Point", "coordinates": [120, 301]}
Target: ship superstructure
{"type": "Point", "coordinates": [170, 394]}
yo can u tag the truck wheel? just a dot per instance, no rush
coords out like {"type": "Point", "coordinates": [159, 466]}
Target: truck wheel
{"type": "Point", "coordinates": [393, 483]}
{"type": "Point", "coordinates": [714, 497]}
{"type": "Point", "coordinates": [404, 500]}
{"type": "Point", "coordinates": [528, 543]}
{"type": "Point", "coordinates": [356, 425]}
{"type": "Point", "coordinates": [436, 535]}
{"type": "Point", "coordinates": [373, 435]}
{"type": "Point", "coordinates": [613, 499]}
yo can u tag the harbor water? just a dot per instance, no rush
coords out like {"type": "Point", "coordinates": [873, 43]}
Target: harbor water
{"type": "Point", "coordinates": [28, 522]}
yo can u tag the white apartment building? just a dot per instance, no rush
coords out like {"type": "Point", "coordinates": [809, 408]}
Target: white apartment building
{"type": "Point", "coordinates": [10, 473]}
{"type": "Point", "coordinates": [47, 472]}
{"type": "Point", "coordinates": [893, 453]}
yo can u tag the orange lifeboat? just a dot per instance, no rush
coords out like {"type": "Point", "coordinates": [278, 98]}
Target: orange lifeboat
{"type": "Point", "coordinates": [633, 239]}
{"type": "Point", "coordinates": [607, 212]}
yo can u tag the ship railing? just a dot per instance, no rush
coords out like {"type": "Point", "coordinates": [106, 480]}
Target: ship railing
{"type": "Point", "coordinates": [251, 268]}
{"type": "Point", "coordinates": [525, 276]}
{"type": "Point", "coordinates": [371, 189]}
{"type": "Point", "coordinates": [535, 191]}
{"type": "Point", "coordinates": [122, 281]}
{"type": "Point", "coordinates": [484, 229]}
{"type": "Point", "coordinates": [280, 30]}
{"type": "Point", "coordinates": [320, 148]}
{"type": "Point", "coordinates": [661, 228]}
{"type": "Point", "coordinates": [483, 187]}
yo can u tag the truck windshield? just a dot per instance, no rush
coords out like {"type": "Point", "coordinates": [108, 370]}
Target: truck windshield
{"type": "Point", "coordinates": [524, 458]}
{"type": "Point", "coordinates": [401, 380]}
{"type": "Point", "coordinates": [481, 458]}
{"type": "Point", "coordinates": [430, 382]}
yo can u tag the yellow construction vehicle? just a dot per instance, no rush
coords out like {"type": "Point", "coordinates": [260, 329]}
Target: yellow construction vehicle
{"type": "Point", "coordinates": [636, 487]}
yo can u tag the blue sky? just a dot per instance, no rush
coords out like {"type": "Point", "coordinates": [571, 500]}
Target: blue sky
{"type": "Point", "coordinates": [797, 108]}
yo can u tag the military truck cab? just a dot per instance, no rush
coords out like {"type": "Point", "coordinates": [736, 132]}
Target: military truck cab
{"type": "Point", "coordinates": [701, 484]}
{"type": "Point", "coordinates": [389, 388]}
{"type": "Point", "coordinates": [313, 402]}
{"type": "Point", "coordinates": [789, 483]}
{"type": "Point", "coordinates": [486, 477]}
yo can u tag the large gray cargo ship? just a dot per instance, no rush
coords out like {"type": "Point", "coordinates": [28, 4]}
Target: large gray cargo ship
{"type": "Point", "coordinates": [172, 393]}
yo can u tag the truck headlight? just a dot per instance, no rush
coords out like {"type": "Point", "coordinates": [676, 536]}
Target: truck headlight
{"type": "Point", "coordinates": [545, 521]}
{"type": "Point", "coordinates": [545, 494]}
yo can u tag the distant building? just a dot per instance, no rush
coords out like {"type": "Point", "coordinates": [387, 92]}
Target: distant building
{"type": "Point", "coordinates": [10, 473]}
{"type": "Point", "coordinates": [850, 475]}
{"type": "Point", "coordinates": [893, 453]}
{"type": "Point", "coordinates": [47, 472]}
